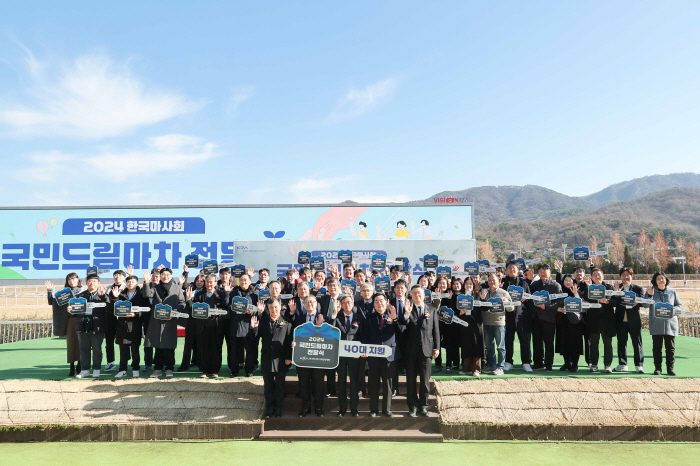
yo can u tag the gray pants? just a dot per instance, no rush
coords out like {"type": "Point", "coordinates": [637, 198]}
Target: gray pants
{"type": "Point", "coordinates": [90, 342]}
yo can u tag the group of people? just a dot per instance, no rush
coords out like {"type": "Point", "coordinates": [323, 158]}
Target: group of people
{"type": "Point", "coordinates": [405, 318]}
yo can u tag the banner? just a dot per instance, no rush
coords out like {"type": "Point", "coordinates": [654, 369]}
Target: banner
{"type": "Point", "coordinates": [41, 243]}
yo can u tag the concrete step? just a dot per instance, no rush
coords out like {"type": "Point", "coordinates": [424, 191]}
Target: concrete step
{"type": "Point", "coordinates": [352, 435]}
{"type": "Point", "coordinates": [292, 383]}
{"type": "Point", "coordinates": [398, 403]}
{"type": "Point", "coordinates": [401, 421]}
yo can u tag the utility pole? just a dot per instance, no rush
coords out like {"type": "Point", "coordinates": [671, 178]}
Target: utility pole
{"type": "Point", "coordinates": [563, 252]}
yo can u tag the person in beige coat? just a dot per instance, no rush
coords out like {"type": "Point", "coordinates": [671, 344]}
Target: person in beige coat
{"type": "Point", "coordinates": [494, 319]}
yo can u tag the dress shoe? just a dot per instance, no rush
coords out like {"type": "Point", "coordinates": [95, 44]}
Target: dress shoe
{"type": "Point", "coordinates": [423, 412]}
{"type": "Point", "coordinates": [394, 393]}
{"type": "Point", "coordinates": [278, 413]}
{"type": "Point", "coordinates": [268, 413]}
{"type": "Point", "coordinates": [341, 413]}
{"type": "Point", "coordinates": [372, 414]}
{"type": "Point", "coordinates": [360, 393]}
{"type": "Point", "coordinates": [388, 413]}
{"type": "Point", "coordinates": [298, 395]}
{"type": "Point", "coordinates": [319, 412]}
{"type": "Point", "coordinates": [438, 368]}
{"type": "Point", "coordinates": [670, 371]}
{"type": "Point", "coordinates": [304, 412]}
{"type": "Point", "coordinates": [412, 411]}
{"type": "Point", "coordinates": [355, 413]}
{"type": "Point", "coordinates": [657, 372]}
{"type": "Point", "coordinates": [402, 372]}
{"type": "Point", "coordinates": [183, 369]}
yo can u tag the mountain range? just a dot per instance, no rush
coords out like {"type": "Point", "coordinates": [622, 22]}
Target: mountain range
{"type": "Point", "coordinates": [539, 217]}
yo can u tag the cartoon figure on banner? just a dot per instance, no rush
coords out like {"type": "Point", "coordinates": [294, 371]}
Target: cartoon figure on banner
{"type": "Point", "coordinates": [423, 232]}
{"type": "Point", "coordinates": [332, 221]}
{"type": "Point", "coordinates": [42, 226]}
{"type": "Point", "coordinates": [362, 232]}
{"type": "Point", "coordinates": [401, 230]}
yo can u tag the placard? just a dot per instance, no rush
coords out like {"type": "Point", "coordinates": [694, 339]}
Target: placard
{"type": "Point", "coordinates": [304, 257]}
{"type": "Point", "coordinates": [352, 284]}
{"type": "Point", "coordinates": [162, 311]}
{"type": "Point", "coordinates": [63, 296]}
{"type": "Point", "coordinates": [192, 261]}
{"type": "Point", "coordinates": [445, 314]}
{"type": "Point", "coordinates": [286, 296]}
{"type": "Point", "coordinates": [200, 311]}
{"type": "Point", "coordinates": [91, 270]}
{"type": "Point", "coordinates": [378, 262]}
{"type": "Point", "coordinates": [436, 295]}
{"type": "Point", "coordinates": [444, 271]}
{"type": "Point", "coordinates": [345, 256]}
{"type": "Point", "coordinates": [122, 308]}
{"type": "Point", "coordinates": [238, 270]}
{"type": "Point", "coordinates": [573, 304]}
{"type": "Point", "coordinates": [663, 311]}
{"type": "Point", "coordinates": [428, 294]}
{"type": "Point", "coordinates": [516, 293]}
{"type": "Point", "coordinates": [485, 266]}
{"type": "Point", "coordinates": [210, 266]}
{"type": "Point", "coordinates": [628, 298]}
{"type": "Point", "coordinates": [471, 269]}
{"type": "Point", "coordinates": [497, 305]}
{"type": "Point", "coordinates": [353, 349]}
{"type": "Point", "coordinates": [317, 263]}
{"type": "Point", "coordinates": [465, 301]}
{"type": "Point", "coordinates": [403, 263]}
{"type": "Point", "coordinates": [239, 305]}
{"type": "Point", "coordinates": [430, 261]}
{"type": "Point", "coordinates": [520, 262]}
{"type": "Point", "coordinates": [596, 292]}
{"type": "Point", "coordinates": [581, 254]}
{"type": "Point", "coordinates": [382, 284]}
{"type": "Point", "coordinates": [316, 347]}
{"type": "Point", "coordinates": [263, 294]}
{"type": "Point", "coordinates": [541, 297]}
{"type": "Point", "coordinates": [78, 305]}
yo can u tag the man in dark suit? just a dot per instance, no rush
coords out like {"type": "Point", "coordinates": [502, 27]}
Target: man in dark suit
{"type": "Point", "coordinates": [330, 304]}
{"type": "Point", "coordinates": [629, 322]}
{"type": "Point", "coordinates": [544, 318]}
{"type": "Point", "coordinates": [382, 328]}
{"type": "Point", "coordinates": [310, 380]}
{"type": "Point", "coordinates": [399, 302]}
{"type": "Point", "coordinates": [352, 328]}
{"type": "Point", "coordinates": [364, 307]}
{"type": "Point", "coordinates": [518, 321]}
{"type": "Point", "coordinates": [422, 346]}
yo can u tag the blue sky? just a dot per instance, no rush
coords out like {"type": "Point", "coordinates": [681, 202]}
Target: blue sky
{"type": "Point", "coordinates": [209, 102]}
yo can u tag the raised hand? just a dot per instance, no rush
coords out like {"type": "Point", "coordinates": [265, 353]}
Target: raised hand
{"type": "Point", "coordinates": [49, 285]}
{"type": "Point", "coordinates": [254, 322]}
{"type": "Point", "coordinates": [558, 265]}
{"type": "Point", "coordinates": [261, 306]}
{"type": "Point", "coordinates": [251, 271]}
{"type": "Point", "coordinates": [319, 319]}
{"type": "Point", "coordinates": [129, 269]}
{"type": "Point", "coordinates": [392, 312]}
{"type": "Point", "coordinates": [181, 280]}
{"type": "Point", "coordinates": [146, 276]}
{"type": "Point", "coordinates": [101, 291]}
{"type": "Point", "coordinates": [650, 290]}
{"type": "Point", "coordinates": [186, 269]}
{"type": "Point", "coordinates": [483, 293]}
{"type": "Point", "coordinates": [227, 287]}
{"type": "Point", "coordinates": [115, 291]}
{"type": "Point", "coordinates": [336, 307]}
{"type": "Point", "coordinates": [408, 307]}
{"type": "Point", "coordinates": [449, 294]}
{"type": "Point", "coordinates": [587, 280]}
{"type": "Point", "coordinates": [189, 293]}
{"type": "Point", "coordinates": [292, 306]}
{"type": "Point", "coordinates": [574, 289]}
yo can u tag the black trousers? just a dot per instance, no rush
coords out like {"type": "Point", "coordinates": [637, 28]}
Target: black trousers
{"type": "Point", "coordinates": [189, 352]}
{"type": "Point", "coordinates": [635, 333]}
{"type": "Point", "coordinates": [251, 358]}
{"type": "Point", "coordinates": [236, 350]}
{"type": "Point", "coordinates": [330, 381]}
{"type": "Point", "coordinates": [362, 367]}
{"type": "Point", "coordinates": [510, 336]}
{"type": "Point", "coordinates": [127, 352]}
{"type": "Point", "coordinates": [543, 339]}
{"type": "Point", "coordinates": [110, 335]}
{"type": "Point", "coordinates": [148, 356]}
{"type": "Point", "coordinates": [311, 384]}
{"type": "Point", "coordinates": [380, 370]}
{"type": "Point", "coordinates": [164, 359]}
{"type": "Point", "coordinates": [209, 350]}
{"type": "Point", "coordinates": [451, 343]}
{"type": "Point", "coordinates": [595, 350]}
{"type": "Point", "coordinates": [274, 388]}
{"type": "Point", "coordinates": [587, 345]}
{"type": "Point", "coordinates": [417, 366]}
{"type": "Point", "coordinates": [670, 342]}
{"type": "Point", "coordinates": [573, 338]}
{"type": "Point", "coordinates": [348, 367]}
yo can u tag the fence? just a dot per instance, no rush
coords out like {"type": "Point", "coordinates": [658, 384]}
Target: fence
{"type": "Point", "coordinates": [11, 331]}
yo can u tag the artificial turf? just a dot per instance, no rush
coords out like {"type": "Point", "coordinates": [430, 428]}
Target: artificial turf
{"type": "Point", "coordinates": [44, 359]}
{"type": "Point", "coordinates": [260, 453]}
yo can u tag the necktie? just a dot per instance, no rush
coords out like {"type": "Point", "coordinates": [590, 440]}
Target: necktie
{"type": "Point", "coordinates": [330, 307]}
{"type": "Point", "coordinates": [399, 307]}
{"type": "Point", "coordinates": [309, 318]}
{"type": "Point", "coordinates": [347, 324]}
{"type": "Point", "coordinates": [381, 322]}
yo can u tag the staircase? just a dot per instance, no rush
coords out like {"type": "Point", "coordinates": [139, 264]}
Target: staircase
{"type": "Point", "coordinates": [400, 428]}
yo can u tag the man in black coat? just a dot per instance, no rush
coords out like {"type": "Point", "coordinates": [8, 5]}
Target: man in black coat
{"type": "Point", "coordinates": [629, 322]}
{"type": "Point", "coordinates": [330, 304]}
{"type": "Point", "coordinates": [422, 346]}
{"type": "Point", "coordinates": [382, 327]}
{"type": "Point", "coordinates": [275, 355]}
{"type": "Point", "coordinates": [352, 328]}
{"type": "Point", "coordinates": [210, 331]}
{"type": "Point", "coordinates": [544, 320]}
{"type": "Point", "coordinates": [519, 321]}
{"type": "Point", "coordinates": [398, 300]}
{"type": "Point", "coordinates": [310, 380]}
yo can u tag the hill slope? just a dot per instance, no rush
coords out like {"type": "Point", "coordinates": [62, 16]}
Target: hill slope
{"type": "Point", "coordinates": [642, 186]}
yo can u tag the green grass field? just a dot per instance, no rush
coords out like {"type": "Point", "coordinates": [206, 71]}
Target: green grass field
{"type": "Point", "coordinates": [44, 359]}
{"type": "Point", "coordinates": [259, 453]}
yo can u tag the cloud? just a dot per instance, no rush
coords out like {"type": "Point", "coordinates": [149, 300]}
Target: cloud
{"type": "Point", "coordinates": [359, 101]}
{"type": "Point", "coordinates": [92, 97]}
{"type": "Point", "coordinates": [238, 96]}
{"type": "Point", "coordinates": [335, 190]}
{"type": "Point", "coordinates": [172, 152]}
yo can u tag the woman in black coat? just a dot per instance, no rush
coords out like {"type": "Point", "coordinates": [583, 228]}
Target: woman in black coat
{"type": "Point", "coordinates": [91, 326]}
{"type": "Point", "coordinates": [210, 331]}
{"type": "Point", "coordinates": [64, 323]}
{"type": "Point", "coordinates": [275, 354]}
{"type": "Point", "coordinates": [600, 322]}
{"type": "Point", "coordinates": [451, 339]}
{"type": "Point", "coordinates": [570, 326]}
{"type": "Point", "coordinates": [471, 337]}
{"type": "Point", "coordinates": [128, 331]}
